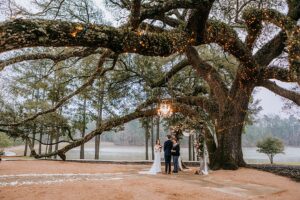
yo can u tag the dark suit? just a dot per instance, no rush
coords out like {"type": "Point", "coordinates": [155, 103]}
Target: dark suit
{"type": "Point", "coordinates": [168, 145]}
{"type": "Point", "coordinates": [176, 154]}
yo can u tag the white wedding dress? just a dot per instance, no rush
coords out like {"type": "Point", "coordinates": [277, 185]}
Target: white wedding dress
{"type": "Point", "coordinates": [180, 164]}
{"type": "Point", "coordinates": [156, 166]}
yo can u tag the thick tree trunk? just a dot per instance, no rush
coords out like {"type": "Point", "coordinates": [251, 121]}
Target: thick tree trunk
{"type": "Point", "coordinates": [230, 149]}
{"type": "Point", "coordinates": [228, 154]}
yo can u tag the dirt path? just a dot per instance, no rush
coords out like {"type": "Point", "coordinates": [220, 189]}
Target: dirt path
{"type": "Point", "coordinates": [65, 180]}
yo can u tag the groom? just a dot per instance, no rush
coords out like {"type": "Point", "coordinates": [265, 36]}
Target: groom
{"type": "Point", "coordinates": [168, 145]}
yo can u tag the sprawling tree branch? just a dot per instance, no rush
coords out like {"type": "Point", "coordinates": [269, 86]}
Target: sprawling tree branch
{"type": "Point", "coordinates": [274, 72]}
{"type": "Point", "coordinates": [165, 6]}
{"type": "Point", "coordinates": [109, 124]}
{"type": "Point", "coordinates": [172, 22]}
{"type": "Point", "coordinates": [208, 73]}
{"type": "Point", "coordinates": [178, 67]}
{"type": "Point", "coordinates": [54, 57]}
{"type": "Point", "coordinates": [196, 25]}
{"type": "Point", "coordinates": [271, 50]}
{"type": "Point", "coordinates": [254, 27]}
{"type": "Point", "coordinates": [291, 95]}
{"type": "Point", "coordinates": [272, 16]}
{"type": "Point", "coordinates": [226, 37]}
{"type": "Point", "coordinates": [135, 14]}
{"type": "Point", "coordinates": [289, 26]}
{"type": "Point", "coordinates": [100, 71]}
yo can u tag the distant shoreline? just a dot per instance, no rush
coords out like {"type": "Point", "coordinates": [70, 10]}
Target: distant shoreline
{"type": "Point", "coordinates": [109, 151]}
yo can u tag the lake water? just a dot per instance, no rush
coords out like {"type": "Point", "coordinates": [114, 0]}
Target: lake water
{"type": "Point", "coordinates": [112, 152]}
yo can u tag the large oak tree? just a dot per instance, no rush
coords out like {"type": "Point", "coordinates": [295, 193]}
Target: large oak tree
{"type": "Point", "coordinates": [175, 27]}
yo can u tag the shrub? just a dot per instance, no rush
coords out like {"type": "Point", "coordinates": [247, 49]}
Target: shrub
{"type": "Point", "coordinates": [5, 141]}
{"type": "Point", "coordinates": [270, 146]}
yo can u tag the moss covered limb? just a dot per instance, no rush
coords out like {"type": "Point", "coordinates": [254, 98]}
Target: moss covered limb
{"type": "Point", "coordinates": [274, 72]}
{"type": "Point", "coordinates": [21, 33]}
{"type": "Point", "coordinates": [225, 36]}
{"type": "Point", "coordinates": [54, 57]}
{"type": "Point", "coordinates": [254, 18]}
{"type": "Point", "coordinates": [291, 95]}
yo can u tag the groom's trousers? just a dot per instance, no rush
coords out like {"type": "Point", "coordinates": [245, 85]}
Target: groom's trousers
{"type": "Point", "coordinates": [167, 164]}
{"type": "Point", "coordinates": [175, 162]}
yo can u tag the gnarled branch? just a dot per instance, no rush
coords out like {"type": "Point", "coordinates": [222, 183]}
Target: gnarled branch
{"type": "Point", "coordinates": [109, 124]}
{"type": "Point", "coordinates": [271, 50]}
{"type": "Point", "coordinates": [208, 73]}
{"type": "Point", "coordinates": [54, 57]}
{"type": "Point", "coordinates": [273, 72]}
{"type": "Point", "coordinates": [104, 126]}
{"type": "Point", "coordinates": [254, 27]}
{"type": "Point", "coordinates": [178, 67]}
{"type": "Point", "coordinates": [226, 37]}
{"type": "Point", "coordinates": [289, 26]}
{"type": "Point", "coordinates": [291, 95]}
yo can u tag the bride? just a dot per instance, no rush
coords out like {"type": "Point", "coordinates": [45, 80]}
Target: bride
{"type": "Point", "coordinates": [156, 166]}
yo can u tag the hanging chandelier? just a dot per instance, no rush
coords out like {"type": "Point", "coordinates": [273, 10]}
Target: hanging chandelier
{"type": "Point", "coordinates": [165, 110]}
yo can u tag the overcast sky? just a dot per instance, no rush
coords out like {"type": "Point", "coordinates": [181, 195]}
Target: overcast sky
{"type": "Point", "coordinates": [270, 102]}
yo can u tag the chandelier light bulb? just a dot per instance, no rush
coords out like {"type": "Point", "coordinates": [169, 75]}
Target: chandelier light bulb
{"type": "Point", "coordinates": [165, 110]}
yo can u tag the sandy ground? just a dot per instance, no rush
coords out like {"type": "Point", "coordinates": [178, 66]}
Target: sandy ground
{"type": "Point", "coordinates": [65, 180]}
